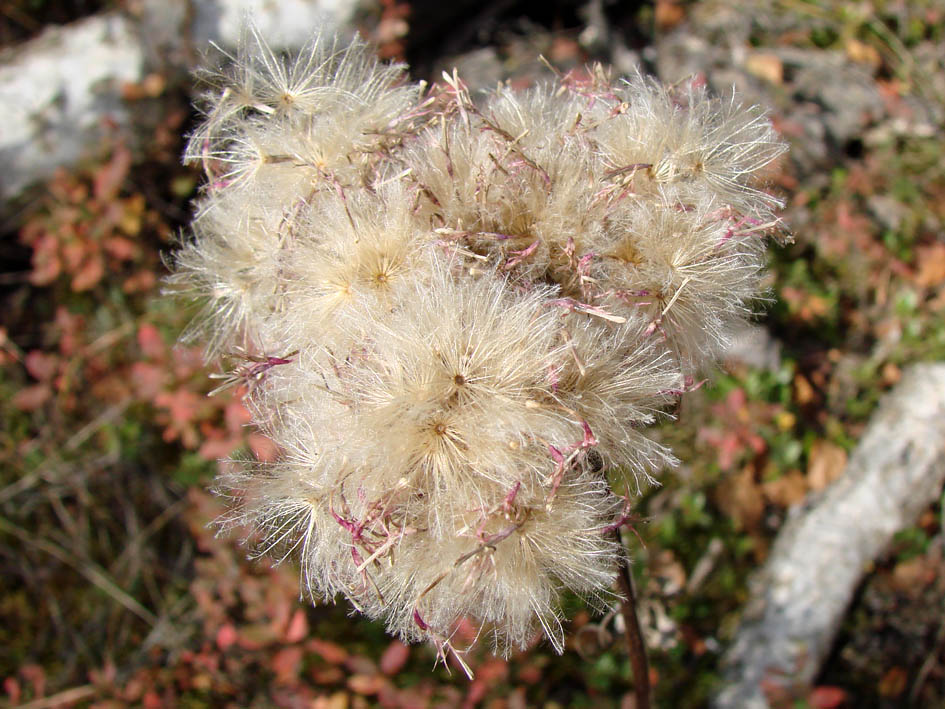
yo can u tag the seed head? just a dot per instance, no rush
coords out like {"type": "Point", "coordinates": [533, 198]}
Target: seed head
{"type": "Point", "coordinates": [460, 318]}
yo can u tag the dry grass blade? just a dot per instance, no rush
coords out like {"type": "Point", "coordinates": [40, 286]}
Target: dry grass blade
{"type": "Point", "coordinates": [68, 696]}
{"type": "Point", "coordinates": [90, 571]}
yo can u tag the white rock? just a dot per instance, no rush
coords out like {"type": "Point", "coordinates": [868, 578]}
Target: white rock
{"type": "Point", "coordinates": [61, 92]}
{"type": "Point", "coordinates": [56, 92]}
{"type": "Point", "coordinates": [283, 23]}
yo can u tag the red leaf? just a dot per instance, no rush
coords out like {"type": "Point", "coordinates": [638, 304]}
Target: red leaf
{"type": "Point", "coordinates": [40, 365]}
{"type": "Point", "coordinates": [148, 379]}
{"type": "Point", "coordinates": [187, 361]}
{"type": "Point", "coordinates": [150, 341]}
{"type": "Point", "coordinates": [35, 675]}
{"type": "Point", "coordinates": [182, 405]}
{"type": "Point", "coordinates": [394, 658]}
{"type": "Point", "coordinates": [236, 416]}
{"type": "Point", "coordinates": [827, 698]}
{"type": "Point", "coordinates": [120, 248]}
{"type": "Point", "coordinates": [218, 448]}
{"type": "Point", "coordinates": [365, 684]}
{"type": "Point", "coordinates": [12, 688]}
{"type": "Point", "coordinates": [70, 328]}
{"type": "Point", "coordinates": [529, 674]}
{"type": "Point", "coordinates": [263, 448]}
{"type": "Point", "coordinates": [298, 627]}
{"type": "Point", "coordinates": [104, 677]}
{"type": "Point", "coordinates": [32, 397]}
{"type": "Point", "coordinates": [467, 630]}
{"type": "Point", "coordinates": [360, 665]}
{"type": "Point", "coordinates": [226, 636]}
{"type": "Point", "coordinates": [286, 663]}
{"type": "Point", "coordinates": [46, 264]}
{"type": "Point", "coordinates": [89, 273]}
{"type": "Point", "coordinates": [332, 654]}
{"type": "Point", "coordinates": [109, 178]}
{"type": "Point", "coordinates": [139, 282]}
{"type": "Point", "coordinates": [492, 670]}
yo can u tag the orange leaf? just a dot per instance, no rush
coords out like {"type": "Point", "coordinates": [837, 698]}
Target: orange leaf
{"type": "Point", "coordinates": [740, 497]}
{"type": "Point", "coordinates": [256, 636]}
{"type": "Point", "coordinates": [787, 490]}
{"type": "Point", "coordinates": [803, 391]}
{"type": "Point", "coordinates": [668, 14]}
{"type": "Point", "coordinates": [329, 674]}
{"type": "Point", "coordinates": [863, 53]}
{"type": "Point", "coordinates": [139, 282]}
{"type": "Point", "coordinates": [46, 263]}
{"type": "Point", "coordinates": [825, 464]}
{"type": "Point", "coordinates": [931, 261]}
{"type": "Point", "coordinates": [74, 252]}
{"type": "Point", "coordinates": [913, 574]}
{"type": "Point", "coordinates": [894, 682]}
{"type": "Point", "coordinates": [765, 66]}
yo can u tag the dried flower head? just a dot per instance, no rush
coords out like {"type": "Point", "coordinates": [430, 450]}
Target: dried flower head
{"type": "Point", "coordinates": [458, 319]}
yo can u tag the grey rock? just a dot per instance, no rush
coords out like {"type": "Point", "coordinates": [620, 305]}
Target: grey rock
{"type": "Point", "coordinates": [845, 92]}
{"type": "Point", "coordinates": [888, 211]}
{"type": "Point", "coordinates": [481, 69]}
{"type": "Point", "coordinates": [753, 345]}
{"type": "Point", "coordinates": [824, 100]}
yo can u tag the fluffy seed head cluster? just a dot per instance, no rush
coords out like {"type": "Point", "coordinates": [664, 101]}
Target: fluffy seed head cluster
{"type": "Point", "coordinates": [457, 317]}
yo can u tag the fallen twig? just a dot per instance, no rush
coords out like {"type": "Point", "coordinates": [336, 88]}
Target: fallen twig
{"type": "Point", "coordinates": [800, 597]}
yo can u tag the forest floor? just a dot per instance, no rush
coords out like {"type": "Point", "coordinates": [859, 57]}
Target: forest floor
{"type": "Point", "coordinates": [115, 591]}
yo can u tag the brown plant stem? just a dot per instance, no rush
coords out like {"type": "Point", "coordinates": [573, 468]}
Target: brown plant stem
{"type": "Point", "coordinates": [639, 664]}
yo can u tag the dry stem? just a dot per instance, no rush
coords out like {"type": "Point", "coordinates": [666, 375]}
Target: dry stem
{"type": "Point", "coordinates": [635, 645]}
